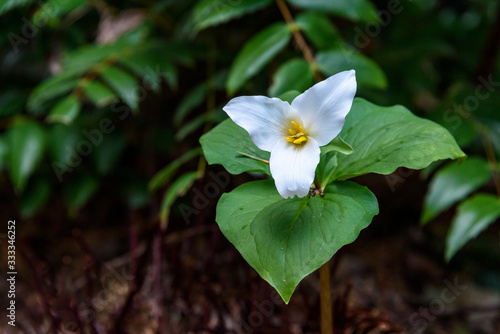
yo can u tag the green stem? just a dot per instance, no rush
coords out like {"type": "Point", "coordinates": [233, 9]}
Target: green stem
{"type": "Point", "coordinates": [325, 294]}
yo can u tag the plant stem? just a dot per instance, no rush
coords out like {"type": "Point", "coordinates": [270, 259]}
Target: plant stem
{"type": "Point", "coordinates": [325, 294]}
{"type": "Point", "coordinates": [490, 155]}
{"type": "Point", "coordinates": [299, 39]}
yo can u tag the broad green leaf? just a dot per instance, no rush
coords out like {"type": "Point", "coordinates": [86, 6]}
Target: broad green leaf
{"type": "Point", "coordinates": [63, 142]}
{"type": "Point", "coordinates": [295, 74]}
{"type": "Point", "coordinates": [65, 110]}
{"type": "Point", "coordinates": [6, 5]}
{"type": "Point", "coordinates": [55, 8]}
{"type": "Point", "coordinates": [230, 145]}
{"type": "Point", "coordinates": [474, 215]}
{"type": "Point", "coordinates": [209, 13]}
{"type": "Point", "coordinates": [453, 183]}
{"type": "Point", "coordinates": [124, 84]}
{"type": "Point", "coordinates": [325, 172]}
{"type": "Point", "coordinates": [99, 94]}
{"type": "Point", "coordinates": [35, 196]}
{"type": "Point", "coordinates": [79, 190]}
{"type": "Point", "coordinates": [75, 64]}
{"type": "Point", "coordinates": [289, 96]}
{"type": "Point", "coordinates": [368, 73]}
{"type": "Point", "coordinates": [26, 146]}
{"type": "Point", "coordinates": [85, 58]}
{"type": "Point", "coordinates": [177, 189]}
{"type": "Point", "coordinates": [48, 90]}
{"type": "Point", "coordinates": [256, 53]}
{"type": "Point", "coordinates": [166, 173]}
{"type": "Point", "coordinates": [356, 10]}
{"type": "Point", "coordinates": [191, 100]}
{"type": "Point", "coordinates": [286, 240]}
{"type": "Point", "coordinates": [107, 154]}
{"type": "Point", "coordinates": [385, 138]}
{"type": "Point", "coordinates": [151, 66]}
{"type": "Point", "coordinates": [319, 30]}
{"type": "Point", "coordinates": [337, 145]}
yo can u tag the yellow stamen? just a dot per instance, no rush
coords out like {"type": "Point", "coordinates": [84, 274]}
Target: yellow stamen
{"type": "Point", "coordinates": [297, 134]}
{"type": "Point", "coordinates": [300, 140]}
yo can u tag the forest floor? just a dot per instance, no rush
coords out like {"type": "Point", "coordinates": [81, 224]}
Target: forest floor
{"type": "Point", "coordinates": [97, 275]}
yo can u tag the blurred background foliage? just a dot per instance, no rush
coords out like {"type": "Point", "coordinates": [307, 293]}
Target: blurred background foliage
{"type": "Point", "coordinates": [105, 101]}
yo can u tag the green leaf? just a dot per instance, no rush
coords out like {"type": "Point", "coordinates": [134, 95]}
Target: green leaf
{"type": "Point", "coordinates": [85, 58]}
{"type": "Point", "coordinates": [190, 101]}
{"type": "Point", "coordinates": [474, 215]}
{"type": "Point", "coordinates": [337, 145]}
{"type": "Point", "coordinates": [99, 94]}
{"type": "Point", "coordinates": [79, 190]}
{"type": "Point", "coordinates": [55, 8]}
{"type": "Point", "coordinates": [368, 73]}
{"type": "Point", "coordinates": [286, 240]}
{"type": "Point", "coordinates": [190, 127]}
{"type": "Point", "coordinates": [34, 198]}
{"type": "Point", "coordinates": [356, 10]}
{"type": "Point", "coordinates": [209, 13]}
{"type": "Point", "coordinates": [325, 172]}
{"type": "Point", "coordinates": [48, 90]}
{"type": "Point", "coordinates": [107, 154]}
{"type": "Point", "coordinates": [256, 53]}
{"type": "Point", "coordinates": [452, 184]}
{"type": "Point", "coordinates": [289, 96]}
{"type": "Point", "coordinates": [26, 143]}
{"type": "Point", "coordinates": [152, 66]}
{"type": "Point", "coordinates": [63, 142]}
{"type": "Point", "coordinates": [6, 5]}
{"type": "Point", "coordinates": [65, 110]}
{"type": "Point", "coordinates": [385, 138]}
{"type": "Point", "coordinates": [166, 173]}
{"type": "Point", "coordinates": [295, 74]}
{"type": "Point", "coordinates": [177, 189]}
{"type": "Point", "coordinates": [123, 84]}
{"type": "Point", "coordinates": [230, 145]}
{"type": "Point", "coordinates": [319, 30]}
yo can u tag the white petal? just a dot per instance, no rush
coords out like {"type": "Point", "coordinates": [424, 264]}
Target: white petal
{"type": "Point", "coordinates": [266, 120]}
{"type": "Point", "coordinates": [324, 106]}
{"type": "Point", "coordinates": [293, 166]}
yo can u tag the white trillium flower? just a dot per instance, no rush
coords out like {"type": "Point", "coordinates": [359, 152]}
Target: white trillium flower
{"type": "Point", "coordinates": [294, 133]}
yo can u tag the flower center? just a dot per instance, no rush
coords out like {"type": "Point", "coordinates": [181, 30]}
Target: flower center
{"type": "Point", "coordinates": [297, 134]}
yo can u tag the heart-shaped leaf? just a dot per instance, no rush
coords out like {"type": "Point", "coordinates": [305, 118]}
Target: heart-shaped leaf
{"type": "Point", "coordinates": [287, 239]}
